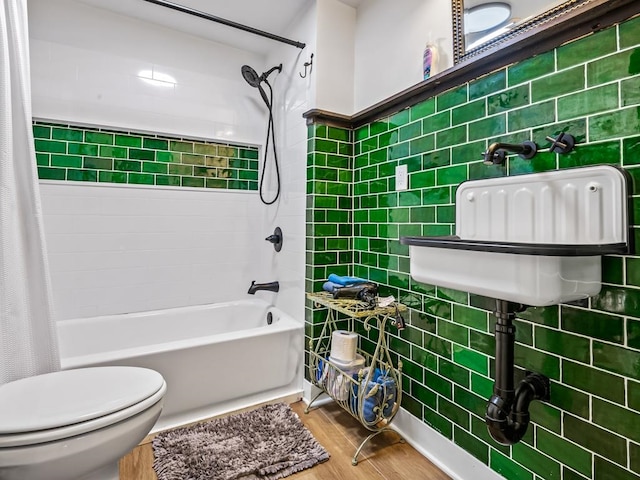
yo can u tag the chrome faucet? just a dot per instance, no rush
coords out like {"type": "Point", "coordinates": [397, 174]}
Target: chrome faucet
{"type": "Point", "coordinates": [496, 152]}
{"type": "Point", "coordinates": [270, 287]}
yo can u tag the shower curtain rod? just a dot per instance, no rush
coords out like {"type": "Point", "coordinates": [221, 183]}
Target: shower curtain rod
{"type": "Point", "coordinates": [229, 23]}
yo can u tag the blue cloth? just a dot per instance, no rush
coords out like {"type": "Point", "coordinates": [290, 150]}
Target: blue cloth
{"type": "Point", "coordinates": [387, 394]}
{"type": "Point", "coordinates": [331, 287]}
{"type": "Point", "coordinates": [370, 403]}
{"type": "Point", "coordinates": [345, 280]}
{"type": "Point", "coordinates": [320, 370]}
{"type": "Point", "coordinates": [384, 397]}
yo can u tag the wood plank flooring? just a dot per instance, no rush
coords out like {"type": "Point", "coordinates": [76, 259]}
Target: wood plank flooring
{"type": "Point", "coordinates": [383, 457]}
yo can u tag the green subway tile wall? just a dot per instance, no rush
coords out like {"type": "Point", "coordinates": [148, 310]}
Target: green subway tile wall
{"type": "Point", "coordinates": [590, 349]}
{"type": "Point", "coordinates": [329, 215]}
{"type": "Point", "coordinates": [87, 154]}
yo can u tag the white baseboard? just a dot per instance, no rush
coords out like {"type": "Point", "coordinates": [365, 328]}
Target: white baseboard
{"type": "Point", "coordinates": [442, 452]}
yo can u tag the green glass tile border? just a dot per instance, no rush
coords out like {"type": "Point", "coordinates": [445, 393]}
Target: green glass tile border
{"type": "Point", "coordinates": [72, 152]}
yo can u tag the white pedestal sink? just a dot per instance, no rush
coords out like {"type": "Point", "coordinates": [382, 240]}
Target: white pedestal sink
{"type": "Point", "coordinates": [532, 239]}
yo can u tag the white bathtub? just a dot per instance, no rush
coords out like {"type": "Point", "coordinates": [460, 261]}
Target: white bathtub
{"type": "Point", "coordinates": [215, 358]}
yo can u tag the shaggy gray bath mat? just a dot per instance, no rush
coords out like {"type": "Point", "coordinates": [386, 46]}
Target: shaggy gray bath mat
{"type": "Point", "coordinates": [267, 443]}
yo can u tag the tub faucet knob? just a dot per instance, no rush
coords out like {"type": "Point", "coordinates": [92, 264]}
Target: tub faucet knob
{"type": "Point", "coordinates": [276, 239]}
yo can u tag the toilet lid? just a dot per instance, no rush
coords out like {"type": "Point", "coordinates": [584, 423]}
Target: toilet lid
{"type": "Point", "coordinates": [68, 397]}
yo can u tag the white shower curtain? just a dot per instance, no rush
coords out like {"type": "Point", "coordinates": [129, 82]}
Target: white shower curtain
{"type": "Point", "coordinates": [28, 341]}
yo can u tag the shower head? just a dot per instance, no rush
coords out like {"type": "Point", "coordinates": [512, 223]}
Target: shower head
{"type": "Point", "coordinates": [252, 78]}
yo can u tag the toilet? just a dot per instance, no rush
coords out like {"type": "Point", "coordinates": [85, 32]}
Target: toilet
{"type": "Point", "coordinates": [76, 424]}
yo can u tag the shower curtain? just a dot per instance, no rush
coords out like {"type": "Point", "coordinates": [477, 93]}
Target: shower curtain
{"type": "Point", "coordinates": [28, 341]}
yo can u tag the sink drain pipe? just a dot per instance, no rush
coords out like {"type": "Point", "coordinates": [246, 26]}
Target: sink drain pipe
{"type": "Point", "coordinates": [507, 415]}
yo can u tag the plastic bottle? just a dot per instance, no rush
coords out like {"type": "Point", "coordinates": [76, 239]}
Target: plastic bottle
{"type": "Point", "coordinates": [429, 58]}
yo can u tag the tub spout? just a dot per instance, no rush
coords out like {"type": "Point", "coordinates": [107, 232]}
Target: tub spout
{"type": "Point", "coordinates": [270, 287]}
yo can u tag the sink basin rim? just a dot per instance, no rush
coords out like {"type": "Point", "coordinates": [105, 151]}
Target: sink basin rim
{"type": "Point", "coordinates": [546, 249]}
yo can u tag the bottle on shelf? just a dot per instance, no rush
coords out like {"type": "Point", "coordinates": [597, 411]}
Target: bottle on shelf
{"type": "Point", "coordinates": [429, 60]}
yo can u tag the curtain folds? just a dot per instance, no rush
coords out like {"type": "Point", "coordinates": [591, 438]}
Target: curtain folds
{"type": "Point", "coordinates": [28, 339]}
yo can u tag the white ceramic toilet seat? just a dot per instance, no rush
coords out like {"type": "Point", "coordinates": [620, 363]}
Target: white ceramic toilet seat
{"type": "Point", "coordinates": [63, 404]}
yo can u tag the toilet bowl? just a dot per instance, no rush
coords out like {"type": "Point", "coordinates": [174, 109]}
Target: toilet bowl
{"type": "Point", "coordinates": [76, 424]}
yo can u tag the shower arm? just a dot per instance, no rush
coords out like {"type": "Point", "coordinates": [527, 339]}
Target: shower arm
{"type": "Point", "coordinates": [266, 74]}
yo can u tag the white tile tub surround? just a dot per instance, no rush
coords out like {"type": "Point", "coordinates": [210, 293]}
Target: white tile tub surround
{"type": "Point", "coordinates": [85, 62]}
{"type": "Point", "coordinates": [120, 249]}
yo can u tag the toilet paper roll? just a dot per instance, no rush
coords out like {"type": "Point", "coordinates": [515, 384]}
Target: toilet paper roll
{"type": "Point", "coordinates": [343, 346]}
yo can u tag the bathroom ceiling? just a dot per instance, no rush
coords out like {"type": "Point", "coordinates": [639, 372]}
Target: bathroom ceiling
{"type": "Point", "coordinates": [273, 16]}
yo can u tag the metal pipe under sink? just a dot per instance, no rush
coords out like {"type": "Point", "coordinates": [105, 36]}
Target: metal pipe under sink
{"type": "Point", "coordinates": [507, 414]}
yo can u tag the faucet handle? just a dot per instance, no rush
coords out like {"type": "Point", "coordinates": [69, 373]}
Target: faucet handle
{"type": "Point", "coordinates": [563, 143]}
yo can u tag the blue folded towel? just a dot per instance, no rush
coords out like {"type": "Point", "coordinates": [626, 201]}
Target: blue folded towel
{"type": "Point", "coordinates": [319, 372]}
{"type": "Point", "coordinates": [387, 394]}
{"type": "Point", "coordinates": [368, 412]}
{"type": "Point", "coordinates": [384, 397]}
{"type": "Point", "coordinates": [345, 280]}
{"type": "Point", "coordinates": [331, 287]}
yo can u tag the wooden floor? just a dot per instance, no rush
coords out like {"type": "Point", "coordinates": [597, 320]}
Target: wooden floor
{"type": "Point", "coordinates": [383, 457]}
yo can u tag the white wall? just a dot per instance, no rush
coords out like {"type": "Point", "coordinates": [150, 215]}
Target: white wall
{"type": "Point", "coordinates": [389, 41]}
{"type": "Point", "coordinates": [120, 249]}
{"type": "Point", "coordinates": [335, 60]}
{"type": "Point", "coordinates": [368, 54]}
